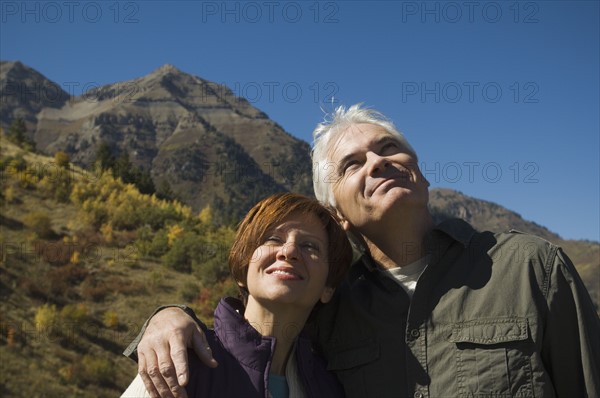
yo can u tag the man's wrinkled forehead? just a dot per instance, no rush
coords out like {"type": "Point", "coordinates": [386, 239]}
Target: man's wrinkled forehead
{"type": "Point", "coordinates": [342, 143]}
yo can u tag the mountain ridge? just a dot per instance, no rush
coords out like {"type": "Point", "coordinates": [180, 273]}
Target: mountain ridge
{"type": "Point", "coordinates": [167, 116]}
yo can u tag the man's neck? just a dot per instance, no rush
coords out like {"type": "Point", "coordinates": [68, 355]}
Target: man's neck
{"type": "Point", "coordinates": [400, 243]}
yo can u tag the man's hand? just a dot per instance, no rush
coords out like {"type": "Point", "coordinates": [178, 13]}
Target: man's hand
{"type": "Point", "coordinates": [162, 352]}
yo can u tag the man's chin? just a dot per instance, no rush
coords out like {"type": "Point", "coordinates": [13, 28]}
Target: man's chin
{"type": "Point", "coordinates": [397, 198]}
{"type": "Point", "coordinates": [392, 192]}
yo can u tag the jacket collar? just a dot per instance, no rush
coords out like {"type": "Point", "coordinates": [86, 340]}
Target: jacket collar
{"type": "Point", "coordinates": [239, 338]}
{"type": "Point", "coordinates": [457, 229]}
{"type": "Point", "coordinates": [438, 239]}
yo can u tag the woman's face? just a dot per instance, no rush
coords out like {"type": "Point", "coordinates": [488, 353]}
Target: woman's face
{"type": "Point", "coordinates": [291, 265]}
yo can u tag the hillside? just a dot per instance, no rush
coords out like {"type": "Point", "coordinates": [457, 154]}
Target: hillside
{"type": "Point", "coordinates": [77, 281]}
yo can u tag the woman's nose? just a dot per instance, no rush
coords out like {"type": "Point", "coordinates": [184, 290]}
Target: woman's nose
{"type": "Point", "coordinates": [288, 251]}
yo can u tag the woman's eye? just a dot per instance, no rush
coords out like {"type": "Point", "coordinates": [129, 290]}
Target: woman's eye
{"type": "Point", "coordinates": [311, 246]}
{"type": "Point", "coordinates": [272, 240]}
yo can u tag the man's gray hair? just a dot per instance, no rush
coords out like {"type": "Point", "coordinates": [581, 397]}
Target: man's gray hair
{"type": "Point", "coordinates": [325, 171]}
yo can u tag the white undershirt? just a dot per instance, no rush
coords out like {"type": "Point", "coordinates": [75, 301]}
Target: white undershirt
{"type": "Point", "coordinates": [408, 275]}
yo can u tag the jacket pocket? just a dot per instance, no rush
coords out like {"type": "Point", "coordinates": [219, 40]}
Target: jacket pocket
{"type": "Point", "coordinates": [493, 357]}
{"type": "Point", "coordinates": [352, 363]}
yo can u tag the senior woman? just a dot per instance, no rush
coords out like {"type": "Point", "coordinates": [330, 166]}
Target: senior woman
{"type": "Point", "coordinates": [288, 256]}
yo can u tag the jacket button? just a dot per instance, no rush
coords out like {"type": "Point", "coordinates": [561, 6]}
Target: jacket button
{"type": "Point", "coordinates": [415, 333]}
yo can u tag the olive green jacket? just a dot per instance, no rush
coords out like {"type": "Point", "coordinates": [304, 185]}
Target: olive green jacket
{"type": "Point", "coordinates": [492, 315]}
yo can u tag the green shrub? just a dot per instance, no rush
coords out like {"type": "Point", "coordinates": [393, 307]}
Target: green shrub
{"type": "Point", "coordinates": [74, 314]}
{"type": "Point", "coordinates": [40, 224]}
{"type": "Point", "coordinates": [185, 248]}
{"type": "Point", "coordinates": [189, 291]}
{"type": "Point", "coordinates": [46, 318]}
{"type": "Point", "coordinates": [98, 370]}
{"type": "Point", "coordinates": [110, 319]}
{"type": "Point", "coordinates": [57, 186]}
{"type": "Point", "coordinates": [159, 245]}
{"type": "Point", "coordinates": [62, 159]}
{"type": "Point", "coordinates": [210, 269]}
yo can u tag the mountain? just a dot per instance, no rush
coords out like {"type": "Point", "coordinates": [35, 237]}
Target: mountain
{"type": "Point", "coordinates": [483, 215]}
{"type": "Point", "coordinates": [211, 147]}
{"type": "Point", "coordinates": [24, 92]}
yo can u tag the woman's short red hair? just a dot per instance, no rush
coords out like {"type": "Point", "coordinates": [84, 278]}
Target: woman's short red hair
{"type": "Point", "coordinates": [273, 210]}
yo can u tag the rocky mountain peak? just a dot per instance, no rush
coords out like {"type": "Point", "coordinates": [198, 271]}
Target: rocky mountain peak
{"type": "Point", "coordinates": [14, 68]}
{"type": "Point", "coordinates": [165, 69]}
{"type": "Point", "coordinates": [24, 92]}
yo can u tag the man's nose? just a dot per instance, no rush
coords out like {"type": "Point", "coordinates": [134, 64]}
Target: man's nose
{"type": "Point", "coordinates": [376, 163]}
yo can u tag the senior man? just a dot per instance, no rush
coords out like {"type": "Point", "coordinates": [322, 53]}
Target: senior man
{"type": "Point", "coordinates": [428, 310]}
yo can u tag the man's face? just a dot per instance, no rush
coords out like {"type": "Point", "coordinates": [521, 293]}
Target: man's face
{"type": "Point", "coordinates": [375, 176]}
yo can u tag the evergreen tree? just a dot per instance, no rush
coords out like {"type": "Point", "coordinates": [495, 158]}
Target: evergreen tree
{"type": "Point", "coordinates": [17, 133]}
{"type": "Point", "coordinates": [124, 169]}
{"type": "Point", "coordinates": [104, 159]}
{"type": "Point", "coordinates": [144, 182]}
{"type": "Point", "coordinates": [17, 130]}
{"type": "Point", "coordinates": [164, 191]}
{"type": "Point", "coordinates": [121, 167]}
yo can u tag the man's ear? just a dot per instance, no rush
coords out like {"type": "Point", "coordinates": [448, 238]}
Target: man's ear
{"type": "Point", "coordinates": [327, 294]}
{"type": "Point", "coordinates": [423, 177]}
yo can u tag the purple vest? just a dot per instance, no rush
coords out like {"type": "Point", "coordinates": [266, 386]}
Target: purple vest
{"type": "Point", "coordinates": [245, 357]}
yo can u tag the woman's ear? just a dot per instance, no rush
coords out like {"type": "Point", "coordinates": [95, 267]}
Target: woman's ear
{"type": "Point", "coordinates": [346, 226]}
{"type": "Point", "coordinates": [327, 294]}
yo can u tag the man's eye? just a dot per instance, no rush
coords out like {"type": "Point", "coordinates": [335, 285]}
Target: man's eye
{"type": "Point", "coordinates": [349, 166]}
{"type": "Point", "coordinates": [389, 147]}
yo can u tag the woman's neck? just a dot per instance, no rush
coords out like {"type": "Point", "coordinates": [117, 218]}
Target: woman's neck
{"type": "Point", "coordinates": [280, 322]}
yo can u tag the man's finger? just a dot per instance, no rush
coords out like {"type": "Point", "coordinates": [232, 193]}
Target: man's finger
{"type": "Point", "coordinates": [158, 363]}
{"type": "Point", "coordinates": [164, 376]}
{"type": "Point", "coordinates": [202, 348]}
{"type": "Point", "coordinates": [180, 360]}
{"type": "Point", "coordinates": [169, 375]}
{"type": "Point", "coordinates": [143, 372]}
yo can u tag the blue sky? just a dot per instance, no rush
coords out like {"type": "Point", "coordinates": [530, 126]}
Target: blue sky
{"type": "Point", "coordinates": [499, 98]}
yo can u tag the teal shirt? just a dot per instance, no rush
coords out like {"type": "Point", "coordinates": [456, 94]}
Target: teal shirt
{"type": "Point", "coordinates": [278, 386]}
